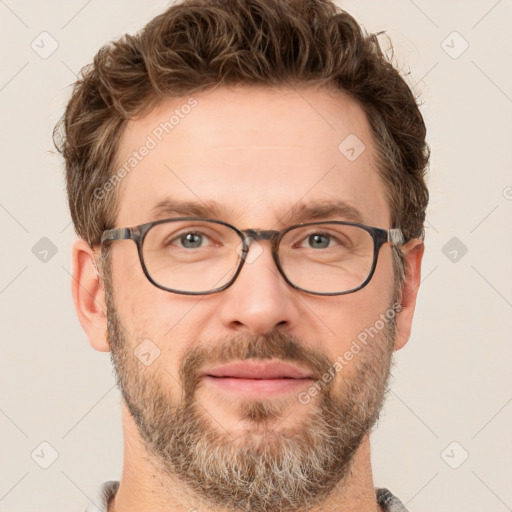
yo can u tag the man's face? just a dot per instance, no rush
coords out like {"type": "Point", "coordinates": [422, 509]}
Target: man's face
{"type": "Point", "coordinates": [258, 154]}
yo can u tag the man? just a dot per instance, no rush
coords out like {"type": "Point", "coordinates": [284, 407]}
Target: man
{"type": "Point", "coordinates": [247, 181]}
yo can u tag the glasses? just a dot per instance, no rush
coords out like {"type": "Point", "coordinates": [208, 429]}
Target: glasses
{"type": "Point", "coordinates": [196, 256]}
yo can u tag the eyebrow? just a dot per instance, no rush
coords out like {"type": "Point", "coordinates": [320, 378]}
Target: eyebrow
{"type": "Point", "coordinates": [207, 209]}
{"type": "Point", "coordinates": [296, 214]}
{"type": "Point", "coordinates": [319, 210]}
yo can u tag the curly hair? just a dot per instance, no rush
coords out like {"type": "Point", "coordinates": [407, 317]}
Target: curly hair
{"type": "Point", "coordinates": [197, 45]}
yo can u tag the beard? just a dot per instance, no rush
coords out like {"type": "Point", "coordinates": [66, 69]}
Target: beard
{"type": "Point", "coordinates": [269, 466]}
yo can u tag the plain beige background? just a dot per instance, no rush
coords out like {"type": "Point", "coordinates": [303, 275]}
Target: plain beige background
{"type": "Point", "coordinates": [443, 442]}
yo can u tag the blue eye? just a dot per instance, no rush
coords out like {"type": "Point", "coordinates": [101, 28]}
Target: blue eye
{"type": "Point", "coordinates": [191, 240]}
{"type": "Point", "coordinates": [319, 241]}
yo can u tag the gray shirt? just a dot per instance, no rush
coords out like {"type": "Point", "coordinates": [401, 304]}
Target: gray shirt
{"type": "Point", "coordinates": [108, 490]}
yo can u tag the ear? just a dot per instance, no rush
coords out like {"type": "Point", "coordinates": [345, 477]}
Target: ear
{"type": "Point", "coordinates": [413, 254]}
{"type": "Point", "coordinates": [89, 295]}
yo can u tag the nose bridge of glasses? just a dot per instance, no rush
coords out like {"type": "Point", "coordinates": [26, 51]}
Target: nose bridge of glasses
{"type": "Point", "coordinates": [254, 235]}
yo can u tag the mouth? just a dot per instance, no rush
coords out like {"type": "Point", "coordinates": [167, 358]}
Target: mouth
{"type": "Point", "coordinates": [267, 379]}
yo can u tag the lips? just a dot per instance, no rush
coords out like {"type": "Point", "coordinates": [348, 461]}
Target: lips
{"type": "Point", "coordinates": [258, 371]}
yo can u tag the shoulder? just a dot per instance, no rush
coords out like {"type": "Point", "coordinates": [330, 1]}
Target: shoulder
{"type": "Point", "coordinates": [388, 501]}
{"type": "Point", "coordinates": [104, 494]}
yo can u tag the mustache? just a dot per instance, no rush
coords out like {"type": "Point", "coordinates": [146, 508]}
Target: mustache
{"type": "Point", "coordinates": [274, 345]}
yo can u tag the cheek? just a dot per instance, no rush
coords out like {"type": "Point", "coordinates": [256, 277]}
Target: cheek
{"type": "Point", "coordinates": [138, 301]}
{"type": "Point", "coordinates": [169, 321]}
{"type": "Point", "coordinates": [348, 316]}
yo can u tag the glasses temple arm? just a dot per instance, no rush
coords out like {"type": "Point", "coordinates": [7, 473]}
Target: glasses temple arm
{"type": "Point", "coordinates": [395, 236]}
{"type": "Point", "coordinates": [116, 234]}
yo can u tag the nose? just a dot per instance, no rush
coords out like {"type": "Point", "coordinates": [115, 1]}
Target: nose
{"type": "Point", "coordinates": [260, 300]}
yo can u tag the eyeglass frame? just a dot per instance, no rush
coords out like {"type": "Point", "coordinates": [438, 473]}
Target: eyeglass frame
{"type": "Point", "coordinates": [138, 233]}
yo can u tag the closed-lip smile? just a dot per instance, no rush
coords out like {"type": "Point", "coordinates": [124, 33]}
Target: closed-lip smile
{"type": "Point", "coordinates": [257, 379]}
{"type": "Point", "coordinates": [262, 371]}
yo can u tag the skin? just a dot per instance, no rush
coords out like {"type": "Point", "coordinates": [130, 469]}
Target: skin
{"type": "Point", "coordinates": [287, 153]}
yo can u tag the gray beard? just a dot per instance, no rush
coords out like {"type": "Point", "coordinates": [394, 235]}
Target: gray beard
{"type": "Point", "coordinates": [266, 468]}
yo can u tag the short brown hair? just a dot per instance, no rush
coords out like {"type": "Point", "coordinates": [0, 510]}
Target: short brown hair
{"type": "Point", "coordinates": [201, 44]}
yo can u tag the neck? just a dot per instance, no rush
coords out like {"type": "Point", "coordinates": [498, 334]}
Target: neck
{"type": "Point", "coordinates": [146, 486]}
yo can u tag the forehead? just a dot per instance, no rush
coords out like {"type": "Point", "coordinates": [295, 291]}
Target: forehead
{"type": "Point", "coordinates": [254, 152]}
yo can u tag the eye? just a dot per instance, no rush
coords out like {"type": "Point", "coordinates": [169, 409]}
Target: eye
{"type": "Point", "coordinates": [319, 240]}
{"type": "Point", "coordinates": [335, 238]}
{"type": "Point", "coordinates": [190, 240]}
{"type": "Point", "coordinates": [325, 240]}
